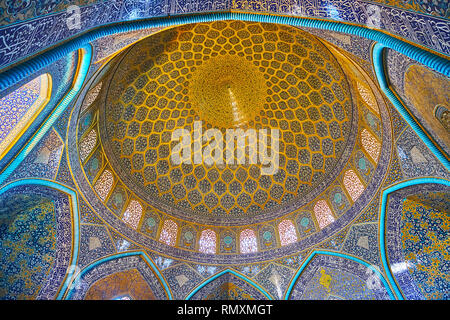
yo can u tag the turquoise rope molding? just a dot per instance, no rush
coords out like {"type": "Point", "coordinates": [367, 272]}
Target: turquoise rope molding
{"type": "Point", "coordinates": [141, 254]}
{"type": "Point", "coordinates": [240, 276]}
{"type": "Point", "coordinates": [84, 64]}
{"type": "Point", "coordinates": [19, 72]}
{"type": "Point", "coordinates": [384, 201]}
{"type": "Point", "coordinates": [341, 255]}
{"type": "Point", "coordinates": [380, 72]}
{"type": "Point", "coordinates": [75, 215]}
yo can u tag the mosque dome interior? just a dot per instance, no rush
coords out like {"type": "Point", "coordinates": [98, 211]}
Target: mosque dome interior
{"type": "Point", "coordinates": [224, 150]}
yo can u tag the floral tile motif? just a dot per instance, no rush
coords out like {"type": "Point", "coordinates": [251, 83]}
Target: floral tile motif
{"type": "Point", "coordinates": [95, 243]}
{"type": "Point", "coordinates": [43, 161]}
{"type": "Point", "coordinates": [416, 159]}
{"type": "Point", "coordinates": [275, 279]}
{"type": "Point", "coordinates": [362, 242]}
{"type": "Point", "coordinates": [332, 277]}
{"type": "Point", "coordinates": [425, 239]}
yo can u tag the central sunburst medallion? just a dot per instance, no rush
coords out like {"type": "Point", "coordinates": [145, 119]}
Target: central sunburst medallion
{"type": "Point", "coordinates": [227, 91]}
{"type": "Point", "coordinates": [227, 75]}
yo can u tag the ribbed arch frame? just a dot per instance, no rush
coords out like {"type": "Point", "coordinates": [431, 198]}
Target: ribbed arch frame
{"type": "Point", "coordinates": [433, 60]}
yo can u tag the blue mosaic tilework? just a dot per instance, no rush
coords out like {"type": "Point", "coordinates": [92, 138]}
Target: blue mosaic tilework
{"type": "Point", "coordinates": [119, 264]}
{"type": "Point", "coordinates": [395, 172]}
{"type": "Point", "coordinates": [51, 29]}
{"type": "Point", "coordinates": [408, 24]}
{"type": "Point", "coordinates": [207, 271]}
{"type": "Point", "coordinates": [362, 242]}
{"type": "Point", "coordinates": [438, 201]}
{"type": "Point", "coordinates": [398, 123]}
{"type": "Point", "coordinates": [122, 244]}
{"type": "Point", "coordinates": [95, 243]}
{"type": "Point", "coordinates": [193, 6]}
{"type": "Point", "coordinates": [11, 11]}
{"type": "Point", "coordinates": [15, 105]}
{"type": "Point", "coordinates": [397, 64]}
{"type": "Point", "coordinates": [331, 276]}
{"type": "Point", "coordinates": [275, 279]}
{"type": "Point", "coordinates": [416, 159]}
{"type": "Point", "coordinates": [86, 213]}
{"type": "Point", "coordinates": [21, 10]}
{"type": "Point", "coordinates": [61, 123]}
{"type": "Point", "coordinates": [364, 166]}
{"type": "Point", "coordinates": [425, 239]}
{"type": "Point", "coordinates": [108, 45]}
{"type": "Point", "coordinates": [94, 165]}
{"type": "Point", "coordinates": [371, 213]}
{"type": "Point", "coordinates": [338, 199]}
{"type": "Point", "coordinates": [181, 279]}
{"type": "Point", "coordinates": [163, 262]}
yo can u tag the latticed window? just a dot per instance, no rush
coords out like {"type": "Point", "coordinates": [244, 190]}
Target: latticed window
{"type": "Point", "coordinates": [353, 184]}
{"type": "Point", "coordinates": [370, 144]}
{"type": "Point", "coordinates": [133, 214]}
{"type": "Point", "coordinates": [248, 241]}
{"type": "Point", "coordinates": [87, 144]}
{"type": "Point", "coordinates": [207, 242]}
{"type": "Point", "coordinates": [104, 184]}
{"type": "Point", "coordinates": [323, 213]}
{"type": "Point", "coordinates": [19, 109]}
{"type": "Point", "coordinates": [287, 232]}
{"type": "Point", "coordinates": [91, 96]}
{"type": "Point", "coordinates": [368, 97]}
{"type": "Point", "coordinates": [169, 233]}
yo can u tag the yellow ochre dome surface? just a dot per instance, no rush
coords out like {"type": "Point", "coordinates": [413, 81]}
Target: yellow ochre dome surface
{"type": "Point", "coordinates": [227, 91]}
{"type": "Point", "coordinates": [226, 74]}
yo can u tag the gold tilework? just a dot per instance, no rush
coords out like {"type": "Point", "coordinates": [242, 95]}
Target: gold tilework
{"type": "Point", "coordinates": [227, 74]}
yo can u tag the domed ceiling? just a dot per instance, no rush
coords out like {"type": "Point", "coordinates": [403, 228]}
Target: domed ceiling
{"type": "Point", "coordinates": [227, 75]}
{"type": "Point", "coordinates": [186, 150]}
{"type": "Point", "coordinates": [230, 125]}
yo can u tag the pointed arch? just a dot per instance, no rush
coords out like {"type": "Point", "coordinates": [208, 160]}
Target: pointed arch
{"type": "Point", "coordinates": [235, 273]}
{"type": "Point", "coordinates": [20, 108]}
{"type": "Point", "coordinates": [385, 195]}
{"type": "Point", "coordinates": [208, 242]}
{"type": "Point", "coordinates": [67, 295]}
{"type": "Point", "coordinates": [341, 255]}
{"type": "Point", "coordinates": [247, 241]}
